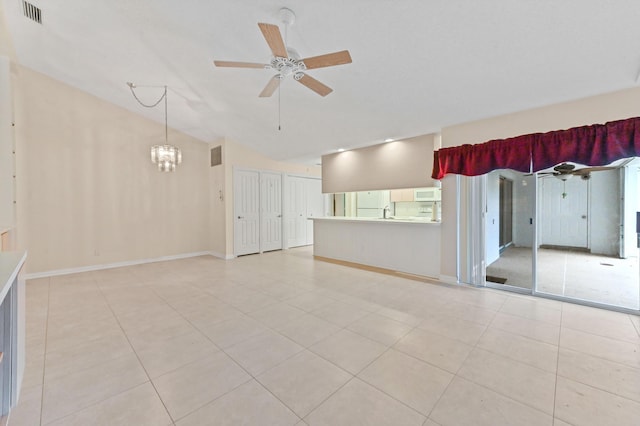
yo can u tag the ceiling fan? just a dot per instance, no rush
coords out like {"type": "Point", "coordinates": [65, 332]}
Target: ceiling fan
{"type": "Point", "coordinates": [565, 171]}
{"type": "Point", "coordinates": [286, 61]}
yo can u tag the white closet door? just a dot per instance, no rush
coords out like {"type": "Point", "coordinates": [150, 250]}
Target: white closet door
{"type": "Point", "coordinates": [296, 212]}
{"type": "Point", "coordinates": [564, 218]}
{"type": "Point", "coordinates": [271, 211]}
{"type": "Point", "coordinates": [246, 196]}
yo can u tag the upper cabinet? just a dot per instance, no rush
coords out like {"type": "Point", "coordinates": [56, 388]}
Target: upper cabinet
{"type": "Point", "coordinates": [399, 195]}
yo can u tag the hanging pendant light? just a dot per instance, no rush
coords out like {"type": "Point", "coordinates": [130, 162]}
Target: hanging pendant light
{"type": "Point", "coordinates": [166, 156]}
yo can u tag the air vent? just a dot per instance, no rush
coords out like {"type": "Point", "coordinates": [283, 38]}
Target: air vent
{"type": "Point", "coordinates": [216, 156]}
{"type": "Point", "coordinates": [32, 12]}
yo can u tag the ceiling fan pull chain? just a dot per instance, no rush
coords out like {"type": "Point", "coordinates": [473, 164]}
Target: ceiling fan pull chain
{"type": "Point", "coordinates": [279, 106]}
{"type": "Point", "coordinates": [286, 36]}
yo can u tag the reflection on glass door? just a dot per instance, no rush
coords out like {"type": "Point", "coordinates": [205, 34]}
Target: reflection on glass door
{"type": "Point", "coordinates": [510, 207]}
{"type": "Point", "coordinates": [587, 234]}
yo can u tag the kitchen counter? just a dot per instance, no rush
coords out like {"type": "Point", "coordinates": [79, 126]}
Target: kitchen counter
{"type": "Point", "coordinates": [12, 340]}
{"type": "Point", "coordinates": [10, 265]}
{"type": "Point", "coordinates": [416, 220]}
{"type": "Point", "coordinates": [404, 245]}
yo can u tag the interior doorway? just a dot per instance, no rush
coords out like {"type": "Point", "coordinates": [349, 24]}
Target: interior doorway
{"type": "Point", "coordinates": [506, 213]}
{"type": "Point", "coordinates": [509, 232]}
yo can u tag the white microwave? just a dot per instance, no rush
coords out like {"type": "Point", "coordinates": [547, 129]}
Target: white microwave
{"type": "Point", "coordinates": [427, 194]}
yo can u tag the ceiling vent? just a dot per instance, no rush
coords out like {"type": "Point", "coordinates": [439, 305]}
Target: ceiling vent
{"type": "Point", "coordinates": [32, 12]}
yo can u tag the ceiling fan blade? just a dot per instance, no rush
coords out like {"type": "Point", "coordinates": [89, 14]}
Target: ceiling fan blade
{"type": "Point", "coordinates": [273, 37]}
{"type": "Point", "coordinates": [271, 87]}
{"type": "Point", "coordinates": [315, 85]}
{"type": "Point", "coordinates": [588, 170]}
{"type": "Point", "coordinates": [234, 64]}
{"type": "Point", "coordinates": [328, 60]}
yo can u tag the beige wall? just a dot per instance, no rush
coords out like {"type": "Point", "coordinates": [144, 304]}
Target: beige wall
{"type": "Point", "coordinates": [6, 44]}
{"type": "Point", "coordinates": [7, 208]}
{"type": "Point", "coordinates": [597, 109]}
{"type": "Point", "coordinates": [87, 191]}
{"type": "Point", "coordinates": [400, 164]}
{"type": "Point", "coordinates": [7, 219]}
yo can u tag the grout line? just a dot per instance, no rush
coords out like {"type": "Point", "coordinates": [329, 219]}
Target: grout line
{"type": "Point", "coordinates": [555, 387]}
{"type": "Point", "coordinates": [46, 337]}
{"type": "Point", "coordinates": [635, 401]}
{"type": "Point", "coordinates": [252, 377]}
{"type": "Point", "coordinates": [136, 353]}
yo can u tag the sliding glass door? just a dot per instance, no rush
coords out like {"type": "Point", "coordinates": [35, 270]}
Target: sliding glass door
{"type": "Point", "coordinates": [565, 235]}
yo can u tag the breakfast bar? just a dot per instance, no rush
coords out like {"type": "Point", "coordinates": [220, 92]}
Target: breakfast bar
{"type": "Point", "coordinates": [408, 245]}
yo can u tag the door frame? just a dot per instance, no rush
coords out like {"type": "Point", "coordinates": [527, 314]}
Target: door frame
{"type": "Point", "coordinates": [503, 184]}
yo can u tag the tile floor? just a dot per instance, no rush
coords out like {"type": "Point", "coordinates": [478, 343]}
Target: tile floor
{"type": "Point", "coordinates": [281, 339]}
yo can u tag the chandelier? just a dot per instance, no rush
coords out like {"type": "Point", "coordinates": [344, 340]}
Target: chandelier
{"type": "Point", "coordinates": [165, 156]}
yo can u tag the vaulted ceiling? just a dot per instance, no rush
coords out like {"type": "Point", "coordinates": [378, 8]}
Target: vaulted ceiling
{"type": "Point", "coordinates": [418, 65]}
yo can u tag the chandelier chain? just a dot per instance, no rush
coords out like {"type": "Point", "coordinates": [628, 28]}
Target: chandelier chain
{"type": "Point", "coordinates": [164, 95]}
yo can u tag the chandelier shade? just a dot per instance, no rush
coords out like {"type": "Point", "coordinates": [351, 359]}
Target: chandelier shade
{"type": "Point", "coordinates": [166, 157]}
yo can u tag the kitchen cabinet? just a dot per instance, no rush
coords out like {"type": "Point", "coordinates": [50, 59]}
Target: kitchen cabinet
{"type": "Point", "coordinates": [400, 195]}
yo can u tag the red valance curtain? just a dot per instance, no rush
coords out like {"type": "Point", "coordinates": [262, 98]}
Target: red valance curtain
{"type": "Point", "coordinates": [595, 145]}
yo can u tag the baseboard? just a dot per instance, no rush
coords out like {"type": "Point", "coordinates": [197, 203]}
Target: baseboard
{"type": "Point", "coordinates": [221, 255]}
{"type": "Point", "coordinates": [414, 277]}
{"type": "Point", "coordinates": [90, 268]}
{"type": "Point", "coordinates": [448, 279]}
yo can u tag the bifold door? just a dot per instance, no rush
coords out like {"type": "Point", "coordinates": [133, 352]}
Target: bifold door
{"type": "Point", "coordinates": [257, 211]}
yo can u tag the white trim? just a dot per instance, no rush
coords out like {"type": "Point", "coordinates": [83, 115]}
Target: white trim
{"type": "Point", "coordinates": [221, 255]}
{"type": "Point", "coordinates": [68, 271]}
{"type": "Point", "coordinates": [303, 176]}
{"type": "Point", "coordinates": [448, 279]}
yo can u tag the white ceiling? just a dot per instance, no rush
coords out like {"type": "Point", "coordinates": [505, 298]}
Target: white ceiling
{"type": "Point", "coordinates": [418, 65]}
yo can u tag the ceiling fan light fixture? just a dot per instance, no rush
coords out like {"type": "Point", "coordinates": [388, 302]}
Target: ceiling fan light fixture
{"type": "Point", "coordinates": [563, 176]}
